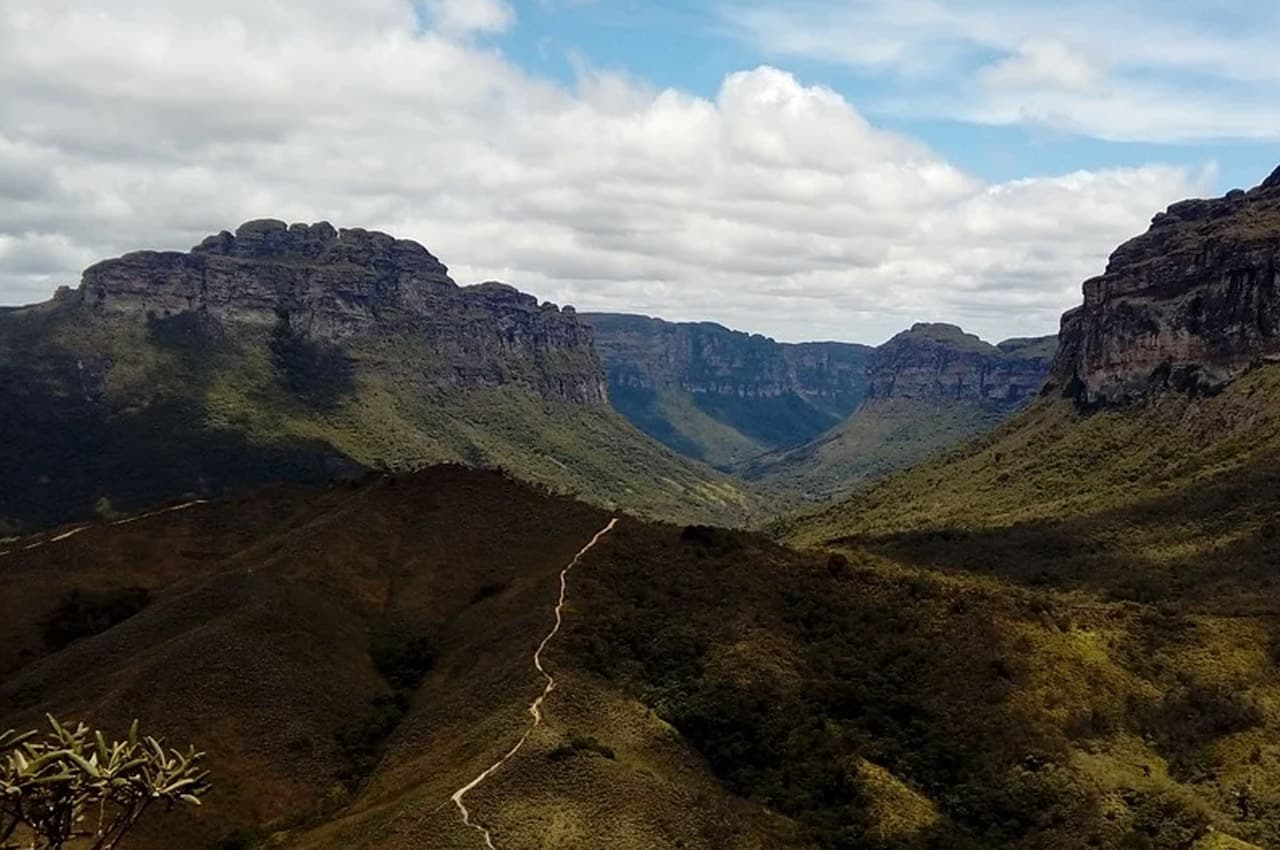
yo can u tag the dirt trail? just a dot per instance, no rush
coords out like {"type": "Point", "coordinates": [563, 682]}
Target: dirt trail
{"type": "Point", "coordinates": [79, 528]}
{"type": "Point", "coordinates": [535, 709]}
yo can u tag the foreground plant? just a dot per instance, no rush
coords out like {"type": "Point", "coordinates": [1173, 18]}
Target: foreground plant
{"type": "Point", "coordinates": [70, 785]}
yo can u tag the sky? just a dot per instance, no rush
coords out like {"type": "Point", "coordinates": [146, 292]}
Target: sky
{"type": "Point", "coordinates": [806, 169]}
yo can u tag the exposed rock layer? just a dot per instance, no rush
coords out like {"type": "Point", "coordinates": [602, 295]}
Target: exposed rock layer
{"type": "Point", "coordinates": [332, 285]}
{"type": "Point", "coordinates": [1188, 306]}
{"type": "Point", "coordinates": [707, 358]}
{"type": "Point", "coordinates": [936, 362]}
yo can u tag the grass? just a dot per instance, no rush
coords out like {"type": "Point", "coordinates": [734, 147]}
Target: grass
{"type": "Point", "coordinates": [884, 436]}
{"type": "Point", "coordinates": [135, 412]}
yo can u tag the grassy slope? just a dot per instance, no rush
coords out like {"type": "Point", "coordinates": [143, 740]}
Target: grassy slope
{"type": "Point", "coordinates": [1151, 537]}
{"type": "Point", "coordinates": [671, 417]}
{"type": "Point", "coordinates": [268, 615]}
{"type": "Point", "coordinates": [187, 409]}
{"type": "Point", "coordinates": [721, 430]}
{"type": "Point", "coordinates": [752, 696]}
{"type": "Point", "coordinates": [882, 436]}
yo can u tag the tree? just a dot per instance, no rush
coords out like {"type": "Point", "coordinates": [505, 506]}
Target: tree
{"type": "Point", "coordinates": [70, 785]}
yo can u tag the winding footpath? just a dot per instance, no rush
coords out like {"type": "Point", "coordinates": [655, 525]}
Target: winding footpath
{"type": "Point", "coordinates": [535, 709]}
{"type": "Point", "coordinates": [79, 528]}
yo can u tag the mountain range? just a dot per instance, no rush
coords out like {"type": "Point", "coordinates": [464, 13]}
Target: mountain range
{"type": "Point", "coordinates": [1058, 633]}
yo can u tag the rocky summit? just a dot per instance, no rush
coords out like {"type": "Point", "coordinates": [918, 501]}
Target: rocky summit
{"type": "Point", "coordinates": [302, 353]}
{"type": "Point", "coordinates": [939, 362]}
{"type": "Point", "coordinates": [1188, 306]}
{"type": "Point", "coordinates": [328, 285]}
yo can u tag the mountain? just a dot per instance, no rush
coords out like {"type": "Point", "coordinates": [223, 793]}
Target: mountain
{"type": "Point", "coordinates": [928, 389]}
{"type": "Point", "coordinates": [724, 396]}
{"type": "Point", "coordinates": [301, 353]}
{"type": "Point", "coordinates": [1142, 486]}
{"type": "Point", "coordinates": [353, 655]}
{"type": "Point", "coordinates": [1189, 305]}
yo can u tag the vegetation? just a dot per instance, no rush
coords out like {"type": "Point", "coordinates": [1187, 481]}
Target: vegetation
{"type": "Point", "coordinates": [883, 437]}
{"type": "Point", "coordinates": [83, 615]}
{"type": "Point", "coordinates": [846, 688]}
{"type": "Point", "coordinates": [581, 745]}
{"type": "Point", "coordinates": [130, 413]}
{"type": "Point", "coordinates": [71, 785]}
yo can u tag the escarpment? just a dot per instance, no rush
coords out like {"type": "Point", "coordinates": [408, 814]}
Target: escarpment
{"type": "Point", "coordinates": [1186, 307]}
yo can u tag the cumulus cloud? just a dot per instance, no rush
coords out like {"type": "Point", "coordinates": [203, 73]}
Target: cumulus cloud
{"type": "Point", "coordinates": [463, 17]}
{"type": "Point", "coordinates": [1191, 71]}
{"type": "Point", "coordinates": [774, 206]}
{"type": "Point", "coordinates": [1043, 62]}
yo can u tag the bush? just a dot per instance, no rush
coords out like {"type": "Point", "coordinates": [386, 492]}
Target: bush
{"type": "Point", "coordinates": [581, 745]}
{"type": "Point", "coordinates": [84, 614]}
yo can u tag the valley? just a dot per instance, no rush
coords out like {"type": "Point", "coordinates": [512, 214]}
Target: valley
{"type": "Point", "coordinates": [431, 566]}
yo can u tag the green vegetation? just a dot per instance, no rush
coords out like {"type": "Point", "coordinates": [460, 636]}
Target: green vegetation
{"type": "Point", "coordinates": [129, 413]}
{"type": "Point", "coordinates": [884, 436]}
{"type": "Point", "coordinates": [72, 787]}
{"type": "Point", "coordinates": [997, 717]}
{"type": "Point", "coordinates": [581, 745]}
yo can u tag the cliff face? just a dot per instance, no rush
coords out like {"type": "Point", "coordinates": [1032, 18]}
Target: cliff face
{"type": "Point", "coordinates": [722, 395]}
{"type": "Point", "coordinates": [1188, 306]}
{"type": "Point", "coordinates": [329, 285]}
{"type": "Point", "coordinates": [305, 353]}
{"type": "Point", "coordinates": [935, 362]}
{"type": "Point", "coordinates": [707, 358]}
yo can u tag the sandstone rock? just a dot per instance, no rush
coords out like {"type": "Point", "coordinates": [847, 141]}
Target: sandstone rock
{"type": "Point", "coordinates": [336, 285]}
{"type": "Point", "coordinates": [938, 362]}
{"type": "Point", "coordinates": [1186, 307]}
{"type": "Point", "coordinates": [709, 359]}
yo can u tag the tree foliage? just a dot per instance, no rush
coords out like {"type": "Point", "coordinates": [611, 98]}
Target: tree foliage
{"type": "Point", "coordinates": [71, 785]}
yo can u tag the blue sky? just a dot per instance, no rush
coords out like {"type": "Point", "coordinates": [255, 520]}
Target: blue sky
{"type": "Point", "coordinates": [692, 45]}
{"type": "Point", "coordinates": [833, 169]}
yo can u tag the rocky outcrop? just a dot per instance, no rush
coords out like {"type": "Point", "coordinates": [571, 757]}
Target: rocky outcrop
{"type": "Point", "coordinates": [1186, 307]}
{"type": "Point", "coordinates": [334, 286]}
{"type": "Point", "coordinates": [938, 362]}
{"type": "Point", "coordinates": [709, 359]}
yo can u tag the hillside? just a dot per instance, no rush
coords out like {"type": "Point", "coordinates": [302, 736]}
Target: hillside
{"type": "Point", "coordinates": [353, 655]}
{"type": "Point", "coordinates": [929, 389]}
{"type": "Point", "coordinates": [724, 396]}
{"type": "Point", "coordinates": [1161, 408]}
{"type": "Point", "coordinates": [305, 353]}
{"type": "Point", "coordinates": [1142, 484]}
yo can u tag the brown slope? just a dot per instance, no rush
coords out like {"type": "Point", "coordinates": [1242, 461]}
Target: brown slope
{"type": "Point", "coordinates": [260, 643]}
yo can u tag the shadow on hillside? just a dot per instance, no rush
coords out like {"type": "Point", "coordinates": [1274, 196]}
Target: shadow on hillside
{"type": "Point", "coordinates": [1213, 548]}
{"type": "Point", "coordinates": [74, 447]}
{"type": "Point", "coordinates": [823, 666]}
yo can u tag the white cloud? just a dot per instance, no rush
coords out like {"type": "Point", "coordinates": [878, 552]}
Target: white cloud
{"type": "Point", "coordinates": [462, 17]}
{"type": "Point", "coordinates": [1043, 63]}
{"type": "Point", "coordinates": [1118, 70]}
{"type": "Point", "coordinates": [775, 206]}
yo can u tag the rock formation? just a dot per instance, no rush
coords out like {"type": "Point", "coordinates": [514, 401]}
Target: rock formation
{"type": "Point", "coordinates": [334, 285]}
{"type": "Point", "coordinates": [938, 362]}
{"type": "Point", "coordinates": [1188, 306]}
{"type": "Point", "coordinates": [709, 359]}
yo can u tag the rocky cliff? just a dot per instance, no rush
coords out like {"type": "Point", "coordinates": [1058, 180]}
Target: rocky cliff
{"type": "Point", "coordinates": [330, 285]}
{"type": "Point", "coordinates": [304, 353]}
{"type": "Point", "coordinates": [1187, 307]}
{"type": "Point", "coordinates": [723, 395]}
{"type": "Point", "coordinates": [703, 357]}
{"type": "Point", "coordinates": [929, 389]}
{"type": "Point", "coordinates": [938, 362]}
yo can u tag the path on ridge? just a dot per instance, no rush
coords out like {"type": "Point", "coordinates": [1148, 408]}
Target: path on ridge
{"type": "Point", "coordinates": [535, 709]}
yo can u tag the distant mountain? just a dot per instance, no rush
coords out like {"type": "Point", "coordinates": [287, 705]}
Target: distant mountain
{"type": "Point", "coordinates": [721, 395]}
{"type": "Point", "coordinates": [306, 353]}
{"type": "Point", "coordinates": [928, 389]}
